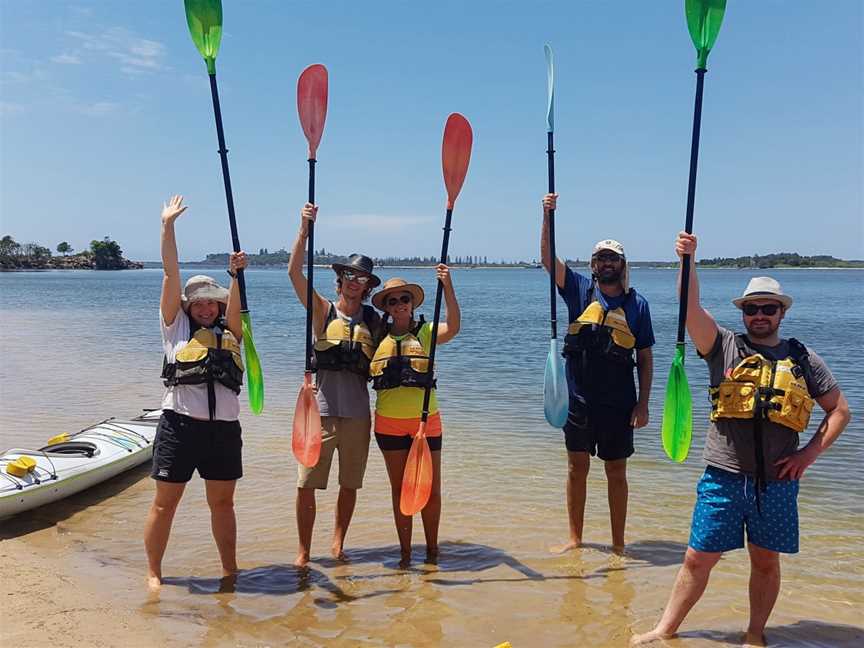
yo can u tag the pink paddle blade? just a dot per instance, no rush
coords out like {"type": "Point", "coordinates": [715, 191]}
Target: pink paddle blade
{"type": "Point", "coordinates": [417, 479]}
{"type": "Point", "coordinates": [306, 433]}
{"type": "Point", "coordinates": [455, 155]}
{"type": "Point", "coordinates": [312, 104]}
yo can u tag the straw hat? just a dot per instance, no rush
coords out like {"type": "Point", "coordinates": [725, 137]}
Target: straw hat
{"type": "Point", "coordinates": [397, 284]}
{"type": "Point", "coordinates": [200, 288]}
{"type": "Point", "coordinates": [763, 288]}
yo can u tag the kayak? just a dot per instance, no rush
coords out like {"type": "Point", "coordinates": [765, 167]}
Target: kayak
{"type": "Point", "coordinates": [72, 462]}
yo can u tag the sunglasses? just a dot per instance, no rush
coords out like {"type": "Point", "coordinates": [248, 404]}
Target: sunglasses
{"type": "Point", "coordinates": [404, 299]}
{"type": "Point", "coordinates": [608, 258]}
{"type": "Point", "coordinates": [353, 276]}
{"type": "Point", "coordinates": [767, 309]}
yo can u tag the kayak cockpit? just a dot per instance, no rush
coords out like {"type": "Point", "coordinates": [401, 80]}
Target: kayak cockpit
{"type": "Point", "coordinates": [71, 449]}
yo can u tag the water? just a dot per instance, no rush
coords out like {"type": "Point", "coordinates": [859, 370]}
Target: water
{"type": "Point", "coordinates": [81, 346]}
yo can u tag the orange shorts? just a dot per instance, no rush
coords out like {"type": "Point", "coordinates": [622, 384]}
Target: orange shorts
{"type": "Point", "coordinates": [407, 427]}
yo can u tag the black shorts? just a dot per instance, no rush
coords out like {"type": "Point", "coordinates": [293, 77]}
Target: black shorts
{"type": "Point", "coordinates": [604, 431]}
{"type": "Point", "coordinates": [393, 442]}
{"type": "Point", "coordinates": [183, 444]}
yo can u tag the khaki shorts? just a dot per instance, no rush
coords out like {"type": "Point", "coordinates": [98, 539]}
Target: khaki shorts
{"type": "Point", "coordinates": [351, 436]}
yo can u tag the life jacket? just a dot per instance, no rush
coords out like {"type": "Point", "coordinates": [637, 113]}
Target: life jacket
{"type": "Point", "coordinates": [599, 333]}
{"type": "Point", "coordinates": [757, 387]}
{"type": "Point", "coordinates": [401, 362]}
{"type": "Point", "coordinates": [346, 346]}
{"type": "Point", "coordinates": [211, 355]}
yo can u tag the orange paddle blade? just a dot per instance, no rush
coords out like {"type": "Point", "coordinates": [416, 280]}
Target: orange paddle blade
{"type": "Point", "coordinates": [417, 479]}
{"type": "Point", "coordinates": [455, 155]}
{"type": "Point", "coordinates": [306, 433]}
{"type": "Point", "coordinates": [312, 104]}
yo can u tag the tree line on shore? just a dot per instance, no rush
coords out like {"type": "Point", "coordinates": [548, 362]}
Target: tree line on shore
{"type": "Point", "coordinates": [101, 255]}
{"type": "Point", "coordinates": [780, 260]}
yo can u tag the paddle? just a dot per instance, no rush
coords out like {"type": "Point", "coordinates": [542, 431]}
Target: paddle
{"type": "Point", "coordinates": [204, 18]}
{"type": "Point", "coordinates": [455, 155]}
{"type": "Point", "coordinates": [703, 20]}
{"type": "Point", "coordinates": [555, 394]}
{"type": "Point", "coordinates": [312, 109]}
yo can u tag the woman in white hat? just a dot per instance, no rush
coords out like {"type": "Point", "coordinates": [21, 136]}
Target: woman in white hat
{"type": "Point", "coordinates": [400, 373]}
{"type": "Point", "coordinates": [203, 372]}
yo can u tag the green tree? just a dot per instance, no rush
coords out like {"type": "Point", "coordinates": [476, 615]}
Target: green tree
{"type": "Point", "coordinates": [8, 247]}
{"type": "Point", "coordinates": [107, 254]}
{"type": "Point", "coordinates": [64, 248]}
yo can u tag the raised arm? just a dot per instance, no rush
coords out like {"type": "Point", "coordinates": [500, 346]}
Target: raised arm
{"type": "Point", "coordinates": [295, 268]}
{"type": "Point", "coordinates": [700, 325]}
{"type": "Point", "coordinates": [549, 202]}
{"type": "Point", "coordinates": [237, 261]}
{"type": "Point", "coordinates": [169, 304]}
{"type": "Point", "coordinates": [448, 329]}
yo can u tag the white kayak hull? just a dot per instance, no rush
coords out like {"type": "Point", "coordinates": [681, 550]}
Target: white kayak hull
{"type": "Point", "coordinates": [82, 460]}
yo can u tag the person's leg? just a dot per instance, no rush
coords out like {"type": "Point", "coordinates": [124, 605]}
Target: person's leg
{"type": "Point", "coordinates": [578, 464]}
{"type": "Point", "coordinates": [764, 588]}
{"type": "Point", "coordinates": [352, 437]}
{"type": "Point", "coordinates": [308, 480]}
{"type": "Point", "coordinates": [158, 527]}
{"type": "Point", "coordinates": [395, 462]}
{"type": "Point", "coordinates": [689, 585]}
{"type": "Point", "coordinates": [223, 522]}
{"type": "Point", "coordinates": [431, 513]}
{"type": "Point", "coordinates": [616, 487]}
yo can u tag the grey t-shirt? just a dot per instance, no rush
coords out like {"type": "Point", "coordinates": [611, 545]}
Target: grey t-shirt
{"type": "Point", "coordinates": [343, 393]}
{"type": "Point", "coordinates": [730, 444]}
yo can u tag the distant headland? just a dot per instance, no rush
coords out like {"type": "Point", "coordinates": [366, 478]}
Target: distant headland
{"type": "Point", "coordinates": [102, 255]}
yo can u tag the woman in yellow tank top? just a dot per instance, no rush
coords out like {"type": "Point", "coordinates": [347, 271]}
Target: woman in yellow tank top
{"type": "Point", "coordinates": [400, 373]}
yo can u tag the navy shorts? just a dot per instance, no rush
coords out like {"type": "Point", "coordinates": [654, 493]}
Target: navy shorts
{"type": "Point", "coordinates": [392, 442]}
{"type": "Point", "coordinates": [602, 431]}
{"type": "Point", "coordinates": [184, 444]}
{"type": "Point", "coordinates": [726, 506]}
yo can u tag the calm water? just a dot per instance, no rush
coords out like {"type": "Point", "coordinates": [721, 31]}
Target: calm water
{"type": "Point", "coordinates": [80, 346]}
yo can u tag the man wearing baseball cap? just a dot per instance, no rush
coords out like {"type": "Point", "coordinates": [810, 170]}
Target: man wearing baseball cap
{"type": "Point", "coordinates": [345, 332]}
{"type": "Point", "coordinates": [609, 334]}
{"type": "Point", "coordinates": [762, 389]}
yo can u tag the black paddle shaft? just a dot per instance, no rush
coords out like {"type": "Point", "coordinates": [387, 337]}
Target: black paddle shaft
{"type": "Point", "coordinates": [550, 154]}
{"type": "Point", "coordinates": [310, 264]}
{"type": "Point", "coordinates": [229, 196]}
{"type": "Point", "coordinates": [438, 294]}
{"type": "Point", "coordinates": [691, 198]}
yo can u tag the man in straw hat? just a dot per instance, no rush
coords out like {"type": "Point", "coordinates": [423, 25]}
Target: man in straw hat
{"type": "Point", "coordinates": [762, 390]}
{"type": "Point", "coordinates": [345, 333]}
{"type": "Point", "coordinates": [610, 332]}
{"type": "Point", "coordinates": [203, 373]}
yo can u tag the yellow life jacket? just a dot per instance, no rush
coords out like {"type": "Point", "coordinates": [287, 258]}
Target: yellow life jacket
{"type": "Point", "coordinates": [598, 331]}
{"type": "Point", "coordinates": [211, 354]}
{"type": "Point", "coordinates": [346, 346]}
{"type": "Point", "coordinates": [770, 389]}
{"type": "Point", "coordinates": [401, 362]}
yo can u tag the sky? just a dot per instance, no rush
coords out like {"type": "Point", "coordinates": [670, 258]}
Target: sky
{"type": "Point", "coordinates": [105, 111]}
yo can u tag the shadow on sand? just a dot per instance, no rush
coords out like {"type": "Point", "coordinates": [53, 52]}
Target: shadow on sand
{"type": "Point", "coordinates": [50, 514]}
{"type": "Point", "coordinates": [805, 633]}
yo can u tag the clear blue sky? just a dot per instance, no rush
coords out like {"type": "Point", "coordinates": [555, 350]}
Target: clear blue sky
{"type": "Point", "coordinates": [106, 111]}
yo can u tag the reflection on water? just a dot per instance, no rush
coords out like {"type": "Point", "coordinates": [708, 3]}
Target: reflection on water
{"type": "Point", "coordinates": [504, 471]}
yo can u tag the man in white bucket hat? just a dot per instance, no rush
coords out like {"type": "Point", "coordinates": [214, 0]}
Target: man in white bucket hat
{"type": "Point", "coordinates": [762, 390]}
{"type": "Point", "coordinates": [610, 333]}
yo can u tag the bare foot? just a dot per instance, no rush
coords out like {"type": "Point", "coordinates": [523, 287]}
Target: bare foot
{"type": "Point", "coordinates": [301, 560]}
{"type": "Point", "coordinates": [570, 546]}
{"type": "Point", "coordinates": [618, 550]}
{"type": "Point", "coordinates": [405, 560]}
{"type": "Point", "coordinates": [650, 637]}
{"type": "Point", "coordinates": [154, 583]}
{"type": "Point", "coordinates": [754, 640]}
{"type": "Point", "coordinates": [338, 554]}
{"type": "Point", "coordinates": [432, 556]}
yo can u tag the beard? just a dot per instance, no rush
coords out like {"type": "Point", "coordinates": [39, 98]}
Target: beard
{"type": "Point", "coordinates": [609, 276]}
{"type": "Point", "coordinates": [761, 329]}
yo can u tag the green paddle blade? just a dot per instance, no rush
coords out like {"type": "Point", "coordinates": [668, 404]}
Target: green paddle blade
{"type": "Point", "coordinates": [556, 398]}
{"type": "Point", "coordinates": [204, 18]}
{"type": "Point", "coordinates": [678, 410]}
{"type": "Point", "coordinates": [704, 18]}
{"type": "Point", "coordinates": [254, 376]}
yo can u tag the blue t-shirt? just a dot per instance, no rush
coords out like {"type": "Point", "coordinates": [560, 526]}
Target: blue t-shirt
{"type": "Point", "coordinates": [578, 294]}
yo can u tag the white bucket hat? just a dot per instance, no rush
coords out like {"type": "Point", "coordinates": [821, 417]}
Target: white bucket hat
{"type": "Point", "coordinates": [614, 246]}
{"type": "Point", "coordinates": [200, 288]}
{"type": "Point", "coordinates": [763, 288]}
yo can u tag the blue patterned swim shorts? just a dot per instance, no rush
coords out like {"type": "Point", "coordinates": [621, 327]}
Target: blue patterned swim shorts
{"type": "Point", "coordinates": [726, 505]}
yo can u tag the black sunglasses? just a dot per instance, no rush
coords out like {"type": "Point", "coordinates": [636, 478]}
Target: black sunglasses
{"type": "Point", "coordinates": [608, 258]}
{"type": "Point", "coordinates": [767, 309]}
{"type": "Point", "coordinates": [404, 299]}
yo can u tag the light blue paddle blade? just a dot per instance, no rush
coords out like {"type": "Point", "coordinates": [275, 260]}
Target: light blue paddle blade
{"type": "Point", "coordinates": [550, 90]}
{"type": "Point", "coordinates": [555, 395]}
